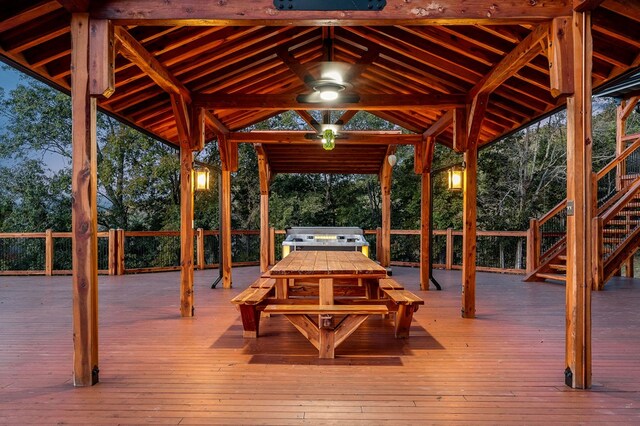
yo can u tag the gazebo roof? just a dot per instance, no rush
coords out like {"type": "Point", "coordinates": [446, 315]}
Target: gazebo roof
{"type": "Point", "coordinates": [245, 72]}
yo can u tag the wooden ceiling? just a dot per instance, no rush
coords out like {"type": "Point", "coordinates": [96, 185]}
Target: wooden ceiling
{"type": "Point", "coordinates": [250, 64]}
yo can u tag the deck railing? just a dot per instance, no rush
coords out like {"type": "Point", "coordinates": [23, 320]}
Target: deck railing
{"type": "Point", "coordinates": [121, 252]}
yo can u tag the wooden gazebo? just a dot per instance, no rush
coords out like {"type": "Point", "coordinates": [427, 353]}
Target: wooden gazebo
{"type": "Point", "coordinates": [462, 74]}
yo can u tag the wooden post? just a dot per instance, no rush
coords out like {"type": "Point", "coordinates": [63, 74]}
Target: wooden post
{"type": "Point", "coordinates": [186, 230]}
{"type": "Point", "coordinates": [84, 209]}
{"type": "Point", "coordinates": [449, 248]}
{"type": "Point", "coordinates": [469, 232]}
{"type": "Point", "coordinates": [272, 246]}
{"type": "Point", "coordinates": [533, 246]}
{"type": "Point", "coordinates": [225, 228]}
{"type": "Point", "coordinates": [200, 248]}
{"type": "Point", "coordinates": [578, 287]}
{"type": "Point", "coordinates": [113, 252]}
{"type": "Point", "coordinates": [264, 232]}
{"type": "Point", "coordinates": [120, 266]}
{"type": "Point", "coordinates": [379, 244]}
{"type": "Point", "coordinates": [385, 189]}
{"type": "Point", "coordinates": [48, 252]}
{"type": "Point", "coordinates": [425, 225]}
{"type": "Point", "coordinates": [264, 172]}
{"type": "Point", "coordinates": [621, 124]}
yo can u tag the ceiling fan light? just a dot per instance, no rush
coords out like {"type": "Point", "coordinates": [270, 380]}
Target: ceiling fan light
{"type": "Point", "coordinates": [328, 94]}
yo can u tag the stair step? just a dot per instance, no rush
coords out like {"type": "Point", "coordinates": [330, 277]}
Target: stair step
{"type": "Point", "coordinates": [623, 222]}
{"type": "Point", "coordinates": [562, 257]}
{"type": "Point", "coordinates": [555, 277]}
{"type": "Point", "coordinates": [616, 231]}
{"type": "Point", "coordinates": [558, 266]}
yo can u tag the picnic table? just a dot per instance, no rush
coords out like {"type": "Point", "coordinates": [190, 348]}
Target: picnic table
{"type": "Point", "coordinates": [327, 295]}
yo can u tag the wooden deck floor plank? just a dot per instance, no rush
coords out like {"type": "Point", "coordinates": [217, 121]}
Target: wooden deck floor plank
{"type": "Point", "coordinates": [504, 367]}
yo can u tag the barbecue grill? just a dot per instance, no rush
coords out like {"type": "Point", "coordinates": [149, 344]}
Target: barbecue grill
{"type": "Point", "coordinates": [324, 238]}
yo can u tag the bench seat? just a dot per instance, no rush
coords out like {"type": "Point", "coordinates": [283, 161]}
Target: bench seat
{"type": "Point", "coordinates": [248, 302]}
{"type": "Point", "coordinates": [263, 283]}
{"type": "Point", "coordinates": [326, 309]}
{"type": "Point", "coordinates": [389, 284]}
{"type": "Point", "coordinates": [407, 303]}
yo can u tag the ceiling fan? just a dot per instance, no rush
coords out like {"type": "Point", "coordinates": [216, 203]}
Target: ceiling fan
{"type": "Point", "coordinates": [331, 84]}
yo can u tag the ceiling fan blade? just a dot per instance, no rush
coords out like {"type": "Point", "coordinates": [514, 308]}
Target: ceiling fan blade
{"type": "Point", "coordinates": [348, 98]}
{"type": "Point", "coordinates": [314, 98]}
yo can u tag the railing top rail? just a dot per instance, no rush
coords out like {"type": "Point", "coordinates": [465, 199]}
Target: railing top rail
{"type": "Point", "coordinates": [23, 235]}
{"type": "Point", "coordinates": [619, 159]}
{"type": "Point", "coordinates": [554, 211]}
{"type": "Point", "coordinates": [631, 193]}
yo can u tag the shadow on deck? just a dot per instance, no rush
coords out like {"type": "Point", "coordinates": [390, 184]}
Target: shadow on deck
{"type": "Point", "coordinates": [505, 366]}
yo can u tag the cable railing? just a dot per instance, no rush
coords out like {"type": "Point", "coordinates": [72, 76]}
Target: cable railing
{"type": "Point", "coordinates": [548, 234]}
{"type": "Point", "coordinates": [121, 252]}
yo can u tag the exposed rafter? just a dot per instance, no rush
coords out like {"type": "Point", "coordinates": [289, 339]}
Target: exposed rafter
{"type": "Point", "coordinates": [398, 102]}
{"type": "Point", "coordinates": [306, 138]}
{"type": "Point", "coordinates": [136, 53]}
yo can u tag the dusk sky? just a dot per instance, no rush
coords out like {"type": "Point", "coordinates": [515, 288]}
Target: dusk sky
{"type": "Point", "coordinates": [9, 79]}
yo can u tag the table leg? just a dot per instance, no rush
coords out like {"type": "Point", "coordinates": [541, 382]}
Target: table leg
{"type": "Point", "coordinates": [282, 288]}
{"type": "Point", "coordinates": [327, 346]}
{"type": "Point", "coordinates": [325, 291]}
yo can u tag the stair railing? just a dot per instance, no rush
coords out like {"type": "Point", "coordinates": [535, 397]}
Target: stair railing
{"type": "Point", "coordinates": [612, 232]}
{"type": "Point", "coordinates": [548, 233]}
{"type": "Point", "coordinates": [615, 177]}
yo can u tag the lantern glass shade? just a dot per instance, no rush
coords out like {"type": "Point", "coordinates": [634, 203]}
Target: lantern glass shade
{"type": "Point", "coordinates": [328, 139]}
{"type": "Point", "coordinates": [201, 179]}
{"type": "Point", "coordinates": [456, 180]}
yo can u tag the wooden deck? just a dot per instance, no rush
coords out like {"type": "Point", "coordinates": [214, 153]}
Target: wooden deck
{"type": "Point", "coordinates": [506, 366]}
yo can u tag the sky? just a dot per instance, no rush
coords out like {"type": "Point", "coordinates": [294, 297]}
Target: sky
{"type": "Point", "coordinates": [9, 79]}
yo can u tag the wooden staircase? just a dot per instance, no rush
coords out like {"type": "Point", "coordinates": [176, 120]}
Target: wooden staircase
{"type": "Point", "coordinates": [616, 225]}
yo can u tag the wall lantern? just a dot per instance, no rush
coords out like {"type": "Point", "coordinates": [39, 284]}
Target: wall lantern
{"type": "Point", "coordinates": [392, 159]}
{"type": "Point", "coordinates": [201, 179]}
{"type": "Point", "coordinates": [328, 139]}
{"type": "Point", "coordinates": [456, 178]}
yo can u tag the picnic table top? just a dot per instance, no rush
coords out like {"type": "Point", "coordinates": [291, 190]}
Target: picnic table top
{"type": "Point", "coordinates": [327, 263]}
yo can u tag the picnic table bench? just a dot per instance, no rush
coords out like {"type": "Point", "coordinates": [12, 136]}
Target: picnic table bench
{"type": "Point", "coordinates": [327, 319]}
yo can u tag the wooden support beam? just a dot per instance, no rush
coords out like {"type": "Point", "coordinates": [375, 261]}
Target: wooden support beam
{"type": "Point", "coordinates": [440, 125]}
{"type": "Point", "coordinates": [521, 55]}
{"type": "Point", "coordinates": [425, 211]}
{"type": "Point", "coordinates": [228, 153]}
{"type": "Point", "coordinates": [385, 175]}
{"type": "Point", "coordinates": [198, 122]}
{"type": "Point", "coordinates": [377, 102]}
{"type": "Point", "coordinates": [346, 117]}
{"type": "Point", "coordinates": [560, 54]}
{"type": "Point", "coordinates": [182, 115]}
{"type": "Point", "coordinates": [306, 138]}
{"type": "Point", "coordinates": [84, 212]}
{"type": "Point", "coordinates": [423, 155]}
{"type": "Point", "coordinates": [263, 12]}
{"type": "Point", "coordinates": [218, 126]}
{"type": "Point", "coordinates": [103, 57]}
{"type": "Point", "coordinates": [135, 52]}
{"type": "Point", "coordinates": [579, 145]}
{"type": "Point", "coordinates": [469, 208]}
{"type": "Point", "coordinates": [586, 5]}
{"type": "Point", "coordinates": [225, 227]}
{"type": "Point", "coordinates": [312, 122]}
{"type": "Point", "coordinates": [265, 180]}
{"type": "Point", "coordinates": [75, 6]}
{"type": "Point", "coordinates": [461, 139]}
{"type": "Point", "coordinates": [478, 97]}
{"type": "Point", "coordinates": [186, 230]}
{"type": "Point", "coordinates": [295, 66]}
